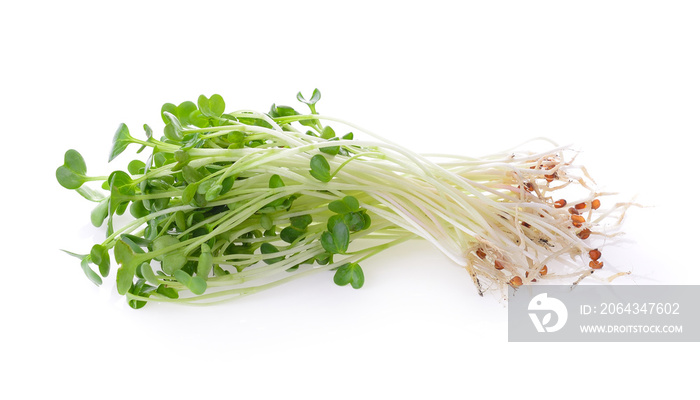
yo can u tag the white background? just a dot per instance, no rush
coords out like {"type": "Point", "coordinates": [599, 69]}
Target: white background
{"type": "Point", "coordinates": [618, 80]}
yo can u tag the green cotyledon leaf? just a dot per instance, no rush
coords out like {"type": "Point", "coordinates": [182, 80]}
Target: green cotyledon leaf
{"type": "Point", "coordinates": [120, 141]}
{"type": "Point", "coordinates": [71, 175]}
{"type": "Point", "coordinates": [349, 273]}
{"type": "Point", "coordinates": [320, 169]}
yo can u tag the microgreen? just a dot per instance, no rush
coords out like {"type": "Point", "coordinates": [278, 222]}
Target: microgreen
{"type": "Point", "coordinates": [121, 140]}
{"type": "Point", "coordinates": [196, 284]}
{"type": "Point", "coordinates": [320, 169]}
{"type": "Point", "coordinates": [227, 204]}
{"type": "Point", "coordinates": [337, 238]}
{"type": "Point", "coordinates": [349, 273]}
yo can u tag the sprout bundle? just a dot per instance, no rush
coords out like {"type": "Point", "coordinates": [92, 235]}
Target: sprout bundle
{"type": "Point", "coordinates": [227, 204]}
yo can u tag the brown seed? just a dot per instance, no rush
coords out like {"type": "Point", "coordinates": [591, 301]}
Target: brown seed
{"type": "Point", "coordinates": [516, 281]}
{"type": "Point", "coordinates": [529, 187]}
{"type": "Point", "coordinates": [527, 274]}
{"type": "Point", "coordinates": [580, 206]}
{"type": "Point", "coordinates": [498, 265]}
{"type": "Point", "coordinates": [559, 203]}
{"type": "Point", "coordinates": [543, 271]}
{"type": "Point", "coordinates": [595, 204]}
{"type": "Point", "coordinates": [595, 264]}
{"type": "Point", "coordinates": [584, 234]}
{"type": "Point", "coordinates": [577, 220]}
{"type": "Point", "coordinates": [594, 254]}
{"type": "Point", "coordinates": [549, 178]}
{"type": "Point", "coordinates": [481, 254]}
{"type": "Point", "coordinates": [573, 211]}
{"type": "Point", "coordinates": [525, 224]}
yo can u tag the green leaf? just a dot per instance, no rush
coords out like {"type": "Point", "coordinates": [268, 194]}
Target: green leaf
{"type": "Point", "coordinates": [167, 291]}
{"type": "Point", "coordinates": [94, 278]}
{"type": "Point", "coordinates": [159, 159]}
{"type": "Point", "coordinates": [205, 262]}
{"type": "Point", "coordinates": [136, 304]}
{"type": "Point", "coordinates": [68, 179]}
{"type": "Point", "coordinates": [100, 256]}
{"type": "Point", "coordinates": [180, 221]}
{"type": "Point", "coordinates": [349, 273]}
{"type": "Point", "coordinates": [337, 238]}
{"type": "Point", "coordinates": [99, 213]}
{"type": "Point", "coordinates": [196, 284]}
{"type": "Point", "coordinates": [267, 248]}
{"type": "Point", "coordinates": [291, 233]}
{"type": "Point", "coordinates": [136, 167]}
{"type": "Point", "coordinates": [334, 220]}
{"type": "Point", "coordinates": [301, 221]}
{"type": "Point", "coordinates": [125, 276]}
{"type": "Point", "coordinates": [168, 108]}
{"type": "Point", "coordinates": [189, 193]}
{"type": "Point", "coordinates": [213, 192]}
{"type": "Point", "coordinates": [181, 156]}
{"type": "Point", "coordinates": [198, 119]}
{"type": "Point", "coordinates": [276, 182]}
{"type": "Point", "coordinates": [71, 175]}
{"type": "Point", "coordinates": [367, 221]}
{"type": "Point", "coordinates": [354, 221]}
{"type": "Point", "coordinates": [183, 112]}
{"type": "Point", "coordinates": [172, 132]}
{"type": "Point", "coordinates": [346, 205]}
{"type": "Point", "coordinates": [218, 271]}
{"type": "Point", "coordinates": [227, 184]}
{"type": "Point", "coordinates": [120, 183]}
{"type": "Point", "coordinates": [217, 105]}
{"type": "Point", "coordinates": [205, 186]}
{"type": "Point", "coordinates": [341, 236]}
{"type": "Point", "coordinates": [282, 111]}
{"type": "Point", "coordinates": [266, 222]}
{"type": "Point", "coordinates": [135, 242]}
{"type": "Point", "coordinates": [330, 150]}
{"type": "Point", "coordinates": [148, 274]}
{"type": "Point", "coordinates": [139, 289]}
{"type": "Point", "coordinates": [90, 194]}
{"type": "Point", "coordinates": [315, 97]}
{"type": "Point", "coordinates": [327, 132]}
{"type": "Point", "coordinates": [138, 210]}
{"type": "Point", "coordinates": [324, 258]}
{"type": "Point", "coordinates": [123, 253]}
{"type": "Point", "coordinates": [121, 186]}
{"type": "Point", "coordinates": [84, 264]}
{"type": "Point", "coordinates": [211, 107]}
{"type": "Point", "coordinates": [237, 140]}
{"type": "Point", "coordinates": [203, 104]}
{"type": "Point", "coordinates": [120, 141]}
{"type": "Point", "coordinates": [75, 162]}
{"type": "Point", "coordinates": [172, 260]}
{"type": "Point", "coordinates": [320, 169]}
{"type": "Point", "coordinates": [328, 243]}
{"type": "Point", "coordinates": [191, 175]}
{"type": "Point", "coordinates": [158, 183]}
